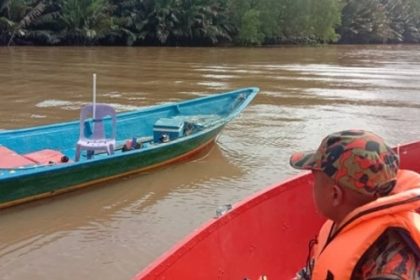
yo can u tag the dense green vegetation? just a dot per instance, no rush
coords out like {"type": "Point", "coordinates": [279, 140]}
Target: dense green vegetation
{"type": "Point", "coordinates": [207, 22]}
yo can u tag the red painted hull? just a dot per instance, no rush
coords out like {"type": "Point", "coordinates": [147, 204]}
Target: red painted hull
{"type": "Point", "coordinates": [266, 234]}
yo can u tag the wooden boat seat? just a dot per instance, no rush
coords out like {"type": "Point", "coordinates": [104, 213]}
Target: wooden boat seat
{"type": "Point", "coordinates": [46, 156]}
{"type": "Point", "coordinates": [10, 159]}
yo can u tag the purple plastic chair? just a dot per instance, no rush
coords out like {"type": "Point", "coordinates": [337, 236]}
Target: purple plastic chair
{"type": "Point", "coordinates": [96, 140]}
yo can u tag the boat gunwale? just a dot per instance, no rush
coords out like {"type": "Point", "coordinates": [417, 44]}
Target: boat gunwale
{"type": "Point", "coordinates": [147, 109]}
{"type": "Point", "coordinates": [166, 260]}
{"type": "Point", "coordinates": [87, 163]}
{"type": "Point", "coordinates": [41, 169]}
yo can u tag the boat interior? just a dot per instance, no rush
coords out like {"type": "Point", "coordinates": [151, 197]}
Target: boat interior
{"type": "Point", "coordinates": [90, 136]}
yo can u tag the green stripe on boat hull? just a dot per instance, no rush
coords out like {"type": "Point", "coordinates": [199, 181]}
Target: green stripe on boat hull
{"type": "Point", "coordinates": [47, 184]}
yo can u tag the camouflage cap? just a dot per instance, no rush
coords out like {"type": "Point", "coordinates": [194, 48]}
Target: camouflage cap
{"type": "Point", "coordinates": [356, 159]}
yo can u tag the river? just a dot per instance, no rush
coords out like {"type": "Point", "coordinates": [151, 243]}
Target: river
{"type": "Point", "coordinates": [114, 230]}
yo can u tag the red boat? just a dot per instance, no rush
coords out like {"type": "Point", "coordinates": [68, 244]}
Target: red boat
{"type": "Point", "coordinates": [265, 235]}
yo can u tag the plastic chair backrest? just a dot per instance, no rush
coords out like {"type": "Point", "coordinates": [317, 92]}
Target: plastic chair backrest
{"type": "Point", "coordinates": [101, 112]}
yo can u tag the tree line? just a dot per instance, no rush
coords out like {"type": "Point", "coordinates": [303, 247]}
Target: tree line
{"type": "Point", "coordinates": [208, 22]}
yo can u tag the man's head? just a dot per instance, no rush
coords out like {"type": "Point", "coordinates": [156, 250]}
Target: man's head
{"type": "Point", "coordinates": [356, 161]}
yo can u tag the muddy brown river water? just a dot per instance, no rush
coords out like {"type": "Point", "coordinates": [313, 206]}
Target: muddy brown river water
{"type": "Point", "coordinates": [115, 230]}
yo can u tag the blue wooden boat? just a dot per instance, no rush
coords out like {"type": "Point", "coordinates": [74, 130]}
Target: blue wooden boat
{"type": "Point", "coordinates": [41, 161]}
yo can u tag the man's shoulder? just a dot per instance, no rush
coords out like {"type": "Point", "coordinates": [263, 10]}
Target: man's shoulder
{"type": "Point", "coordinates": [392, 256]}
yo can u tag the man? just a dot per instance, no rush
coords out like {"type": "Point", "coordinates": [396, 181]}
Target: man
{"type": "Point", "coordinates": [372, 231]}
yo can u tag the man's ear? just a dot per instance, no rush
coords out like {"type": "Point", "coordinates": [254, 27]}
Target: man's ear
{"type": "Point", "coordinates": [337, 195]}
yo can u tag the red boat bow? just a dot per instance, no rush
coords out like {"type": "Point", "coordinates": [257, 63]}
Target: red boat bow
{"type": "Point", "coordinates": [265, 235]}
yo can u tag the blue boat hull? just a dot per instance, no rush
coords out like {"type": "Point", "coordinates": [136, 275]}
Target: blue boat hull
{"type": "Point", "coordinates": [25, 183]}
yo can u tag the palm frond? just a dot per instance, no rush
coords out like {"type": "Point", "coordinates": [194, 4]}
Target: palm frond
{"type": "Point", "coordinates": [6, 25]}
{"type": "Point", "coordinates": [32, 15]}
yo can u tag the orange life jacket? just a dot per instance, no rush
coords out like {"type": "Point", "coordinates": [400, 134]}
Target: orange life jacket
{"type": "Point", "coordinates": [335, 257]}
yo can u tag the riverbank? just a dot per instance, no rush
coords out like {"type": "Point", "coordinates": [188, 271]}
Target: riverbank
{"type": "Point", "coordinates": [208, 22]}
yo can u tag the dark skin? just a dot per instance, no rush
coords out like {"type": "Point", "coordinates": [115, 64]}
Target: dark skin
{"type": "Point", "coordinates": [333, 201]}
